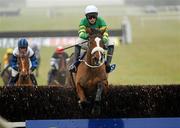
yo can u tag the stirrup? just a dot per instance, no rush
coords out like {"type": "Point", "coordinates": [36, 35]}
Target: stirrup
{"type": "Point", "coordinates": [110, 68]}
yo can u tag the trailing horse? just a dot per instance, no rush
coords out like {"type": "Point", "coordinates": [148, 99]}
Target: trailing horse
{"type": "Point", "coordinates": [58, 76]}
{"type": "Point", "coordinates": [91, 79]}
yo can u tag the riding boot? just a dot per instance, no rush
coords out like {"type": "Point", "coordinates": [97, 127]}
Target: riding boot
{"type": "Point", "coordinates": [110, 51]}
{"type": "Point", "coordinates": [12, 80]}
{"type": "Point", "coordinates": [33, 79]}
{"type": "Point", "coordinates": [73, 67]}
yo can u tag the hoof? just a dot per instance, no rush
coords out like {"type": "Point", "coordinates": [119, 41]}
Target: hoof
{"type": "Point", "coordinates": [96, 110]}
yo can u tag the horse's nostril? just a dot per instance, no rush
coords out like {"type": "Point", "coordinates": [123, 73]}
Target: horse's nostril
{"type": "Point", "coordinates": [96, 60]}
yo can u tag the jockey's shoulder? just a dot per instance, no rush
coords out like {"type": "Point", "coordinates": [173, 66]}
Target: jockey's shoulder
{"type": "Point", "coordinates": [55, 55]}
{"type": "Point", "coordinates": [83, 22]}
{"type": "Point", "coordinates": [30, 51]}
{"type": "Point", "coordinates": [65, 55]}
{"type": "Point", "coordinates": [5, 55]}
{"type": "Point", "coordinates": [100, 18]}
{"type": "Point", "coordinates": [16, 51]}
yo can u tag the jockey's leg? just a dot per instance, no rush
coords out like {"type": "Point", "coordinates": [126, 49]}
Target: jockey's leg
{"type": "Point", "coordinates": [109, 57]}
{"type": "Point", "coordinates": [14, 77]}
{"type": "Point", "coordinates": [110, 53]}
{"type": "Point", "coordinates": [77, 52]}
{"type": "Point", "coordinates": [73, 67]}
{"type": "Point", "coordinates": [33, 79]}
{"type": "Point", "coordinates": [81, 43]}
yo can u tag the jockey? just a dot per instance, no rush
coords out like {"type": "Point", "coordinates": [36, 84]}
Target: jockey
{"type": "Point", "coordinates": [7, 57]}
{"type": "Point", "coordinates": [92, 20]}
{"type": "Point", "coordinates": [56, 58]}
{"type": "Point", "coordinates": [24, 49]}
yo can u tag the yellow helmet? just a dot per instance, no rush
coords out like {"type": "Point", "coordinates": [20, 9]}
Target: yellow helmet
{"type": "Point", "coordinates": [9, 51]}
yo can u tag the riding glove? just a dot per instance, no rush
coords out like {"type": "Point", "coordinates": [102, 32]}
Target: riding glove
{"type": "Point", "coordinates": [33, 68]}
{"type": "Point", "coordinates": [105, 40]}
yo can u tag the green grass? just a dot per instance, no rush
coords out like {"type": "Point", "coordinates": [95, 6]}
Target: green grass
{"type": "Point", "coordinates": [152, 58]}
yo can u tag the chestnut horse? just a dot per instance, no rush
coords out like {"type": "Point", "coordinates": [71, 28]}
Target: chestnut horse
{"type": "Point", "coordinates": [91, 78]}
{"type": "Point", "coordinates": [24, 71]}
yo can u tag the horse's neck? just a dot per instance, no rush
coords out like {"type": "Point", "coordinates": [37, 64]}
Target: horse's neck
{"type": "Point", "coordinates": [88, 56]}
{"type": "Point", "coordinates": [24, 63]}
{"type": "Point", "coordinates": [62, 63]}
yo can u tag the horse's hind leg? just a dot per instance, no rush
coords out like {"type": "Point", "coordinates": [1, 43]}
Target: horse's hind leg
{"type": "Point", "coordinates": [33, 80]}
{"type": "Point", "coordinates": [99, 92]}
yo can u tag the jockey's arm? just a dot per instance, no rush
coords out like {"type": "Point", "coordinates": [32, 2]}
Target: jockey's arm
{"type": "Point", "coordinates": [53, 63]}
{"type": "Point", "coordinates": [13, 62]}
{"type": "Point", "coordinates": [82, 32]}
{"type": "Point", "coordinates": [105, 34]}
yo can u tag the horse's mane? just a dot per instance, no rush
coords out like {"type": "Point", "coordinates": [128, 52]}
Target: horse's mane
{"type": "Point", "coordinates": [24, 57]}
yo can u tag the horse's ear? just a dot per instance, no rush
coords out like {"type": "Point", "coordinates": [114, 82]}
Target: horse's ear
{"type": "Point", "coordinates": [103, 29]}
{"type": "Point", "coordinates": [88, 30]}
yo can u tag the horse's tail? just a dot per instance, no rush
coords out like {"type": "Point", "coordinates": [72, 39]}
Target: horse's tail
{"type": "Point", "coordinates": [74, 85]}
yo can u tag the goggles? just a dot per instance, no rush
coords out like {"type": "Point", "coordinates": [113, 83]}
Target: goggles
{"type": "Point", "coordinates": [91, 16]}
{"type": "Point", "coordinates": [23, 48]}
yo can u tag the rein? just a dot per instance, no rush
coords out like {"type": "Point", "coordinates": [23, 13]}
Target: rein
{"type": "Point", "coordinates": [92, 66]}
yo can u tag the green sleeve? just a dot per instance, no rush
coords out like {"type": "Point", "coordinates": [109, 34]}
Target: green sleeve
{"type": "Point", "coordinates": [82, 29]}
{"type": "Point", "coordinates": [102, 28]}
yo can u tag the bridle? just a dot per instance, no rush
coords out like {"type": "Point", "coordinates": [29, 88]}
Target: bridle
{"type": "Point", "coordinates": [99, 50]}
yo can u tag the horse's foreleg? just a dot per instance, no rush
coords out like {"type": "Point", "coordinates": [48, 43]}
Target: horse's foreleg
{"type": "Point", "coordinates": [80, 92]}
{"type": "Point", "coordinates": [97, 101]}
{"type": "Point", "coordinates": [106, 87]}
{"type": "Point", "coordinates": [100, 88]}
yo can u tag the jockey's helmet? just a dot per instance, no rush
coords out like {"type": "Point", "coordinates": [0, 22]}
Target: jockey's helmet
{"type": "Point", "coordinates": [59, 49]}
{"type": "Point", "coordinates": [91, 10]}
{"type": "Point", "coordinates": [9, 51]}
{"type": "Point", "coordinates": [22, 43]}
